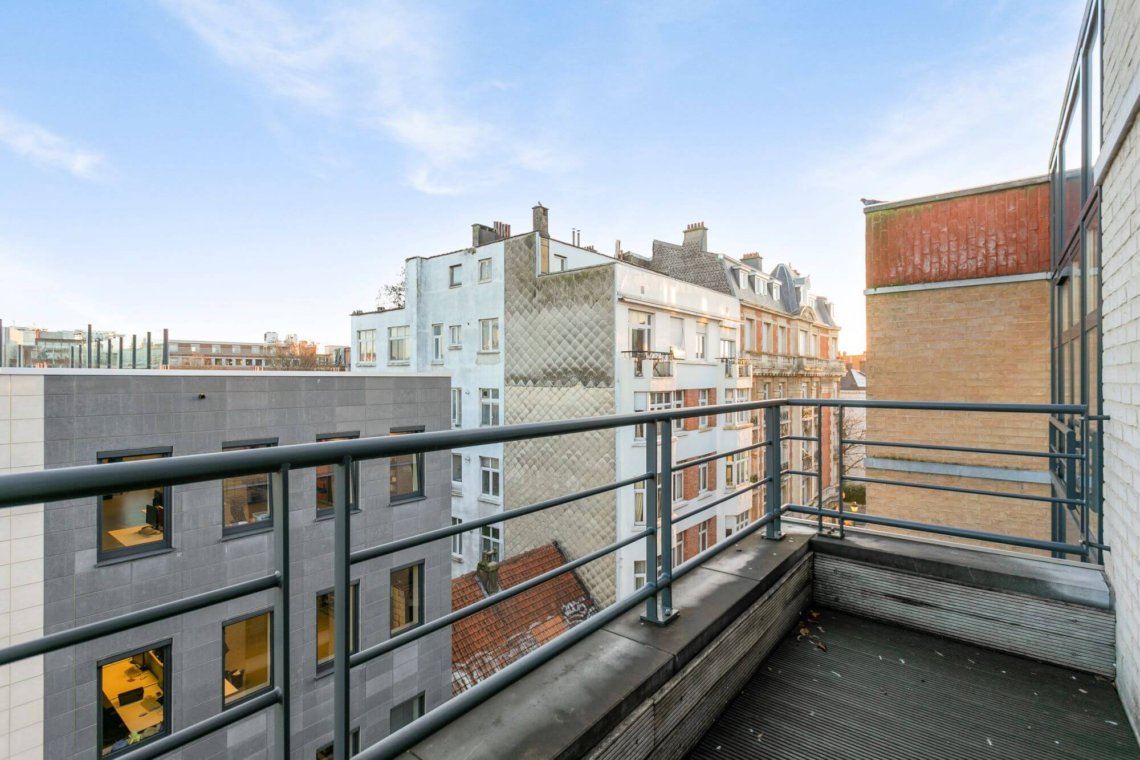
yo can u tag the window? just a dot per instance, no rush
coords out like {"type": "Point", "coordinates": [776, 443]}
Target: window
{"type": "Point", "coordinates": [489, 477]}
{"type": "Point", "coordinates": [678, 486]}
{"type": "Point", "coordinates": [678, 549]}
{"type": "Point", "coordinates": [677, 336]}
{"type": "Point", "coordinates": [703, 477]}
{"type": "Point", "coordinates": [366, 346]}
{"type": "Point", "coordinates": [398, 344]}
{"type": "Point", "coordinates": [727, 349]}
{"type": "Point", "coordinates": [457, 407]}
{"type": "Point", "coordinates": [488, 407]}
{"type": "Point", "coordinates": [407, 596]}
{"type": "Point", "coordinates": [638, 574]}
{"type": "Point", "coordinates": [782, 340]}
{"type": "Point", "coordinates": [766, 338]}
{"type": "Point", "coordinates": [326, 620]}
{"type": "Point", "coordinates": [703, 536]}
{"type": "Point", "coordinates": [326, 478]}
{"type": "Point", "coordinates": [640, 331]}
{"type": "Point", "coordinates": [134, 687]}
{"type": "Point", "coordinates": [484, 270]}
{"type": "Point", "coordinates": [639, 503]}
{"type": "Point", "coordinates": [406, 712]}
{"type": "Point", "coordinates": [215, 349]}
{"type": "Point", "coordinates": [735, 470]}
{"type": "Point", "coordinates": [489, 334]}
{"type": "Point", "coordinates": [405, 472]}
{"type": "Point", "coordinates": [457, 539]}
{"type": "Point", "coordinates": [455, 336]}
{"type": "Point", "coordinates": [703, 400]}
{"type": "Point", "coordinates": [245, 500]}
{"type": "Point", "coordinates": [678, 402]}
{"type": "Point", "coordinates": [133, 521]}
{"type": "Point", "coordinates": [639, 405]}
{"type": "Point", "coordinates": [246, 665]}
{"type": "Point", "coordinates": [491, 541]}
{"type": "Point", "coordinates": [326, 752]}
{"type": "Point", "coordinates": [437, 343]}
{"type": "Point", "coordinates": [455, 275]}
{"type": "Point", "coordinates": [749, 335]}
{"type": "Point", "coordinates": [702, 340]}
{"type": "Point", "coordinates": [559, 263]}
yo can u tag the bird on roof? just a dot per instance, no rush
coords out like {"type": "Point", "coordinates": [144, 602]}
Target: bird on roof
{"type": "Point", "coordinates": [869, 201]}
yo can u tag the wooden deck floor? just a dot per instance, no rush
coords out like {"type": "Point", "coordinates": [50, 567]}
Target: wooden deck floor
{"type": "Point", "coordinates": [859, 689]}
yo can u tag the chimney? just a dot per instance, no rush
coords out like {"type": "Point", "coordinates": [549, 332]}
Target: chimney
{"type": "Point", "coordinates": [696, 237]}
{"type": "Point", "coordinates": [502, 230]}
{"type": "Point", "coordinates": [481, 234]}
{"type": "Point", "coordinates": [541, 220]}
{"type": "Point", "coordinates": [487, 573]}
{"type": "Point", "coordinates": [754, 260]}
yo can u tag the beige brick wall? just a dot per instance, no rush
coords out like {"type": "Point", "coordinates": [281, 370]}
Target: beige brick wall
{"type": "Point", "coordinates": [985, 343]}
{"type": "Point", "coordinates": [1120, 223]}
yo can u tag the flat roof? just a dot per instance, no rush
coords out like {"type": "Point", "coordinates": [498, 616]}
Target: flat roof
{"type": "Point", "coordinates": [980, 190]}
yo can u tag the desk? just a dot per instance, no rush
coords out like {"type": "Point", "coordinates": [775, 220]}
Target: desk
{"type": "Point", "coordinates": [132, 536]}
{"type": "Point", "coordinates": [117, 678]}
{"type": "Point", "coordinates": [228, 689]}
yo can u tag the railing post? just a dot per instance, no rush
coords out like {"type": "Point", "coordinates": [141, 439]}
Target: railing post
{"type": "Point", "coordinates": [1070, 489]}
{"type": "Point", "coordinates": [842, 463]}
{"type": "Point", "coordinates": [652, 566]}
{"type": "Point", "coordinates": [279, 495]}
{"type": "Point", "coordinates": [341, 610]}
{"type": "Point", "coordinates": [772, 472]}
{"type": "Point", "coordinates": [665, 476]}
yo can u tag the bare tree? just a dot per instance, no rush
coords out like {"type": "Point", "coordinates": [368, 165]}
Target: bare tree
{"type": "Point", "coordinates": [392, 296]}
{"type": "Point", "coordinates": [298, 355]}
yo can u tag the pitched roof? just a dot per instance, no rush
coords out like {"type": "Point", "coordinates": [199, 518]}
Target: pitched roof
{"type": "Point", "coordinates": [854, 380]}
{"type": "Point", "coordinates": [691, 265]}
{"type": "Point", "coordinates": [486, 642]}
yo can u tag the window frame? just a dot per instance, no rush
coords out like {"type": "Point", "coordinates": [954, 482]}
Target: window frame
{"type": "Point", "coordinates": [353, 745]}
{"type": "Point", "coordinates": [167, 667]}
{"type": "Point", "coordinates": [362, 356]}
{"type": "Point", "coordinates": [496, 477]}
{"type": "Point", "coordinates": [326, 667]}
{"type": "Point", "coordinates": [456, 539]}
{"type": "Point", "coordinates": [453, 332]}
{"type": "Point", "coordinates": [455, 275]}
{"type": "Point", "coordinates": [497, 543]}
{"type": "Point", "coordinates": [354, 490]}
{"type": "Point", "coordinates": [437, 342]}
{"type": "Point", "coordinates": [405, 340]}
{"type": "Point", "coordinates": [457, 408]}
{"type": "Point", "coordinates": [418, 461]}
{"type": "Point", "coordinates": [493, 405]}
{"type": "Point", "coordinates": [489, 337]}
{"type": "Point", "coordinates": [490, 270]}
{"type": "Point", "coordinates": [252, 527]}
{"type": "Point", "coordinates": [420, 699]}
{"type": "Point", "coordinates": [269, 684]}
{"type": "Point", "coordinates": [392, 631]}
{"type": "Point", "coordinates": [151, 547]}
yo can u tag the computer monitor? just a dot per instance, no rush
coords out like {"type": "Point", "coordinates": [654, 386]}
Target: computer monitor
{"type": "Point", "coordinates": [155, 517]}
{"type": "Point", "coordinates": [130, 696]}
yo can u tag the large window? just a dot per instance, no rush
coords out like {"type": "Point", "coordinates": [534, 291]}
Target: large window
{"type": "Point", "coordinates": [327, 480]}
{"type": "Point", "coordinates": [245, 500]}
{"type": "Point", "coordinates": [406, 712]}
{"type": "Point", "coordinates": [407, 598]}
{"type": "Point", "coordinates": [134, 688]}
{"type": "Point", "coordinates": [489, 334]}
{"type": "Point", "coordinates": [490, 481]}
{"type": "Point", "coordinates": [366, 346]}
{"type": "Point", "coordinates": [131, 522]}
{"type": "Point", "coordinates": [399, 348]}
{"type": "Point", "coordinates": [640, 331]}
{"type": "Point", "coordinates": [326, 620]}
{"type": "Point", "coordinates": [488, 407]}
{"type": "Point", "coordinates": [703, 400]}
{"type": "Point", "coordinates": [491, 540]}
{"type": "Point", "coordinates": [246, 665]}
{"type": "Point", "coordinates": [405, 472]}
{"type": "Point", "coordinates": [703, 536]}
{"type": "Point", "coordinates": [702, 341]}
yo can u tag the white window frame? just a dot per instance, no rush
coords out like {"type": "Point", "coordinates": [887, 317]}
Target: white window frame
{"type": "Point", "coordinates": [678, 549]}
{"type": "Point", "coordinates": [366, 346]}
{"type": "Point", "coordinates": [489, 334]}
{"type": "Point", "coordinates": [702, 341]}
{"type": "Point", "coordinates": [490, 411]}
{"type": "Point", "coordinates": [456, 540]}
{"type": "Point", "coordinates": [639, 573]}
{"type": "Point", "coordinates": [455, 336]}
{"type": "Point", "coordinates": [703, 536]}
{"type": "Point", "coordinates": [491, 538]}
{"type": "Point", "coordinates": [485, 271]}
{"type": "Point", "coordinates": [639, 503]}
{"type": "Point", "coordinates": [399, 343]}
{"type": "Point", "coordinates": [437, 343]}
{"type": "Point", "coordinates": [455, 275]}
{"type": "Point", "coordinates": [678, 403]}
{"type": "Point", "coordinates": [678, 486]}
{"type": "Point", "coordinates": [703, 478]}
{"type": "Point", "coordinates": [456, 459]}
{"type": "Point", "coordinates": [457, 407]}
{"type": "Point", "coordinates": [640, 322]}
{"type": "Point", "coordinates": [703, 400]}
{"type": "Point", "coordinates": [491, 478]}
{"type": "Point", "coordinates": [559, 264]}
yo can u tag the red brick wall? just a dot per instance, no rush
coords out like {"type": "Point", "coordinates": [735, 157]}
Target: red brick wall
{"type": "Point", "coordinates": [712, 402]}
{"type": "Point", "coordinates": [691, 399]}
{"type": "Point", "coordinates": [692, 540]}
{"type": "Point", "coordinates": [987, 234]}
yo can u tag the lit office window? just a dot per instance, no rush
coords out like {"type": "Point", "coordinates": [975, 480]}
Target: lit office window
{"type": "Point", "coordinates": [245, 499]}
{"type": "Point", "coordinates": [326, 752]}
{"type": "Point", "coordinates": [134, 688]}
{"type": "Point", "coordinates": [326, 478]}
{"type": "Point", "coordinates": [246, 659]}
{"type": "Point", "coordinates": [326, 619]}
{"type": "Point", "coordinates": [405, 472]}
{"type": "Point", "coordinates": [405, 712]}
{"type": "Point", "coordinates": [407, 596]}
{"type": "Point", "coordinates": [133, 521]}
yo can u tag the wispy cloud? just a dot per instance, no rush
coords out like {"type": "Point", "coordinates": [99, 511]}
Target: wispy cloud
{"type": "Point", "coordinates": [47, 148]}
{"type": "Point", "coordinates": [382, 67]}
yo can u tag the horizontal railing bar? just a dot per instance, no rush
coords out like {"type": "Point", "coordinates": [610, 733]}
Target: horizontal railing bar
{"type": "Point", "coordinates": [997, 538]}
{"type": "Point", "coordinates": [406, 737]}
{"type": "Point", "coordinates": [938, 406]}
{"type": "Point", "coordinates": [216, 722]}
{"type": "Point", "coordinates": [711, 457]}
{"type": "Point", "coordinates": [805, 473]}
{"type": "Point", "coordinates": [90, 631]}
{"type": "Point", "coordinates": [723, 544]}
{"type": "Point", "coordinates": [811, 438]}
{"type": "Point", "coordinates": [959, 489]}
{"type": "Point", "coordinates": [382, 550]}
{"type": "Point", "coordinates": [419, 632]}
{"type": "Point", "coordinates": [1095, 545]}
{"type": "Point", "coordinates": [965, 449]}
{"type": "Point", "coordinates": [721, 500]}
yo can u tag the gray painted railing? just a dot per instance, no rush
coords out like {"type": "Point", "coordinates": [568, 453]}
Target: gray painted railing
{"type": "Point", "coordinates": [656, 594]}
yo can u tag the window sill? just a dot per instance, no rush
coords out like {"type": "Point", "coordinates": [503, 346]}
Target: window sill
{"type": "Point", "coordinates": [328, 514]}
{"type": "Point", "coordinates": [455, 348]}
{"type": "Point", "coordinates": [266, 526]}
{"type": "Point", "coordinates": [399, 363]}
{"type": "Point", "coordinates": [488, 352]}
{"type": "Point", "coordinates": [484, 282]}
{"type": "Point", "coordinates": [457, 559]}
{"type": "Point", "coordinates": [456, 491]}
{"type": "Point", "coordinates": [117, 560]}
{"type": "Point", "coordinates": [366, 364]}
{"type": "Point", "coordinates": [437, 362]}
{"type": "Point", "coordinates": [406, 500]}
{"type": "Point", "coordinates": [490, 500]}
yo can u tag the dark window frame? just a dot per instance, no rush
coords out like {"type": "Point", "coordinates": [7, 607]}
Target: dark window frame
{"type": "Point", "coordinates": [143, 550]}
{"type": "Point", "coordinates": [254, 527]}
{"type": "Point", "coordinates": [353, 744]}
{"type": "Point", "coordinates": [165, 647]}
{"type": "Point", "coordinates": [421, 698]}
{"type": "Point", "coordinates": [419, 594]}
{"type": "Point", "coordinates": [268, 686]}
{"type": "Point", "coordinates": [326, 513]}
{"type": "Point", "coordinates": [421, 481]}
{"type": "Point", "coordinates": [326, 667]}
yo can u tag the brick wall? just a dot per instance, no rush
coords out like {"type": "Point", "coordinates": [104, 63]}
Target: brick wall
{"type": "Point", "coordinates": [983, 234]}
{"type": "Point", "coordinates": [1120, 324]}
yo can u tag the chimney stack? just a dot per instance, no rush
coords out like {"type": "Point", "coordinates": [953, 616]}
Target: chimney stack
{"type": "Point", "coordinates": [502, 230]}
{"type": "Point", "coordinates": [487, 573]}
{"type": "Point", "coordinates": [541, 216]}
{"type": "Point", "coordinates": [754, 260]}
{"type": "Point", "coordinates": [696, 237]}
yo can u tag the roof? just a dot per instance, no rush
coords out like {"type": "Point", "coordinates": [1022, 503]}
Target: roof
{"type": "Point", "coordinates": [486, 642]}
{"type": "Point", "coordinates": [691, 265]}
{"type": "Point", "coordinates": [854, 380]}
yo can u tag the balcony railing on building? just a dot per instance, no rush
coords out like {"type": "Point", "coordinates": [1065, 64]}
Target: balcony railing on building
{"type": "Point", "coordinates": [655, 536]}
{"type": "Point", "coordinates": [736, 367]}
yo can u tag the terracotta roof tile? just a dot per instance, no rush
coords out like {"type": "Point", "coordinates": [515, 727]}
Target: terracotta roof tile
{"type": "Point", "coordinates": [491, 639]}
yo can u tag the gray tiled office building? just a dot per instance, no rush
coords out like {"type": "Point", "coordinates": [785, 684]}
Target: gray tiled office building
{"type": "Point", "coordinates": [74, 562]}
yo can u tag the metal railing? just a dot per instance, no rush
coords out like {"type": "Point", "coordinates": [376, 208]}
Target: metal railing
{"type": "Point", "coordinates": [656, 594]}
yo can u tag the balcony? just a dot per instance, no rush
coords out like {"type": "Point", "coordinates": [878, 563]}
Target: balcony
{"type": "Point", "coordinates": [814, 366]}
{"type": "Point", "coordinates": [773, 364]}
{"type": "Point", "coordinates": [801, 634]}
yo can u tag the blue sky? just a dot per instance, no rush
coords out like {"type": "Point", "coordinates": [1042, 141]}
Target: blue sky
{"type": "Point", "coordinates": [223, 169]}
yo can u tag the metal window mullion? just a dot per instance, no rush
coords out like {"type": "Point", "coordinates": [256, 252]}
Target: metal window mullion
{"type": "Point", "coordinates": [341, 610]}
{"type": "Point", "coordinates": [279, 494]}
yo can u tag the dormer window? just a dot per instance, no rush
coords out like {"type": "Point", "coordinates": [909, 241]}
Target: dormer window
{"type": "Point", "coordinates": [742, 278]}
{"type": "Point", "coordinates": [775, 290]}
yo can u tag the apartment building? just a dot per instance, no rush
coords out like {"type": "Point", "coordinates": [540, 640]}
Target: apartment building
{"type": "Point", "coordinates": [532, 328]}
{"type": "Point", "coordinates": [74, 562]}
{"type": "Point", "coordinates": [271, 353]}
